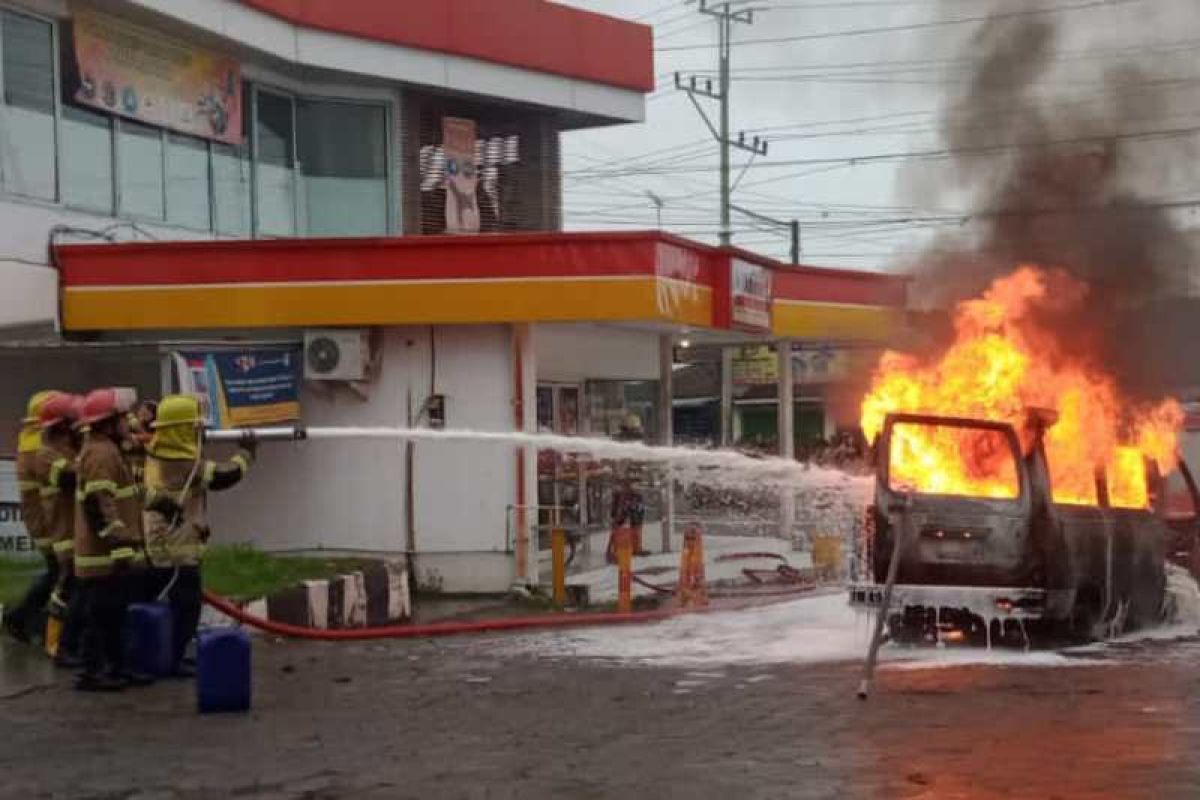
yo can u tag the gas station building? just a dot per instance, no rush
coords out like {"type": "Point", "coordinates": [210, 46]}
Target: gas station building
{"type": "Point", "coordinates": [372, 200]}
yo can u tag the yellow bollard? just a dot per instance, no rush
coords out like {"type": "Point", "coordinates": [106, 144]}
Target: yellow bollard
{"type": "Point", "coordinates": [624, 546]}
{"type": "Point", "coordinates": [54, 627]}
{"type": "Point", "coordinates": [827, 556]}
{"type": "Point", "coordinates": [683, 587]}
{"type": "Point", "coordinates": [693, 589]}
{"type": "Point", "coordinates": [558, 554]}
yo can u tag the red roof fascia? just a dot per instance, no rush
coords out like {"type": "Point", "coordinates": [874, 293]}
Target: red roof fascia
{"type": "Point", "coordinates": [494, 256]}
{"type": "Point", "coordinates": [531, 34]}
{"type": "Point", "coordinates": [562, 255]}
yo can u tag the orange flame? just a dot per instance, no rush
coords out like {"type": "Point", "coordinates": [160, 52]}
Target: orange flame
{"type": "Point", "coordinates": [1000, 365]}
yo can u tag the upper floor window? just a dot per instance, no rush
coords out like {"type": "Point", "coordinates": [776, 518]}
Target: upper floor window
{"type": "Point", "coordinates": [27, 142]}
{"type": "Point", "coordinates": [321, 166]}
{"type": "Point", "coordinates": [304, 166]}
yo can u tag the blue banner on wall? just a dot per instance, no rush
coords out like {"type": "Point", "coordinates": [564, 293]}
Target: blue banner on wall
{"type": "Point", "coordinates": [259, 386]}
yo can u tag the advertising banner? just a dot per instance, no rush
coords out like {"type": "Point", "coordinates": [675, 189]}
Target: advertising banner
{"type": "Point", "coordinates": [755, 366]}
{"type": "Point", "coordinates": [13, 538]}
{"type": "Point", "coordinates": [751, 301]}
{"type": "Point", "coordinates": [462, 203]}
{"type": "Point", "coordinates": [143, 74]}
{"type": "Point", "coordinates": [244, 387]}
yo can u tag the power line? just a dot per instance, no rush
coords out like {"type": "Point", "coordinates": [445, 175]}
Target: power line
{"type": "Point", "coordinates": [946, 152]}
{"type": "Point", "coordinates": [910, 27]}
{"type": "Point", "coordinates": [655, 12]}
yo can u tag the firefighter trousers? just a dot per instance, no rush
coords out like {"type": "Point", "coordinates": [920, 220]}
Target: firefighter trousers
{"type": "Point", "coordinates": [72, 631]}
{"type": "Point", "coordinates": [102, 642]}
{"type": "Point", "coordinates": [28, 613]}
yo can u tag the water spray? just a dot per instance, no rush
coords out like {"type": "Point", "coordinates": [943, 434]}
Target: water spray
{"type": "Point", "coordinates": [726, 468]}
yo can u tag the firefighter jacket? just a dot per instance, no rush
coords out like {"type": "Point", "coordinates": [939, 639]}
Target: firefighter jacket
{"type": "Point", "coordinates": [176, 516]}
{"type": "Point", "coordinates": [108, 510]}
{"type": "Point", "coordinates": [30, 475]}
{"type": "Point", "coordinates": [57, 463]}
{"type": "Point", "coordinates": [133, 447]}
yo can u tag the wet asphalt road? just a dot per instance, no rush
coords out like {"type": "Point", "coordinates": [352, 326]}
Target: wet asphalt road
{"type": "Point", "coordinates": [457, 719]}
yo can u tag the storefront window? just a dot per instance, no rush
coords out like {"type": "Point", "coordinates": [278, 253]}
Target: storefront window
{"type": "Point", "coordinates": [27, 147]}
{"type": "Point", "coordinates": [141, 165]}
{"type": "Point", "coordinates": [87, 169]}
{"type": "Point", "coordinates": [621, 407]}
{"type": "Point", "coordinates": [276, 146]}
{"type": "Point", "coordinates": [187, 182]}
{"type": "Point", "coordinates": [343, 164]}
{"type": "Point", "coordinates": [231, 190]}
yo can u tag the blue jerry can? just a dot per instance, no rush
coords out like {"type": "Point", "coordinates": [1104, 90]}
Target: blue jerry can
{"type": "Point", "coordinates": [148, 639]}
{"type": "Point", "coordinates": [223, 670]}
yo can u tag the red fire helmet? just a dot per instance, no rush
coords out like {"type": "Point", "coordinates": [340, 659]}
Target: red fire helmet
{"type": "Point", "coordinates": [61, 408]}
{"type": "Point", "coordinates": [100, 404]}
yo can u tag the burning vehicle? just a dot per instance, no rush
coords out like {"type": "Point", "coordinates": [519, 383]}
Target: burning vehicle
{"type": "Point", "coordinates": [1018, 493]}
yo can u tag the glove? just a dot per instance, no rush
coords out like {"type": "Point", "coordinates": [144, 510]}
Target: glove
{"type": "Point", "coordinates": [164, 505]}
{"type": "Point", "coordinates": [249, 443]}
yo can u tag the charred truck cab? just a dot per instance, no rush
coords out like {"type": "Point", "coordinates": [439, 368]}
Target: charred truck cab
{"type": "Point", "coordinates": [1009, 564]}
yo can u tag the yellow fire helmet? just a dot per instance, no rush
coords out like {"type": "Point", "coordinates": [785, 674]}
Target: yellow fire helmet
{"type": "Point", "coordinates": [179, 409]}
{"type": "Point", "coordinates": [33, 412]}
{"type": "Point", "coordinates": [30, 438]}
{"type": "Point", "coordinates": [180, 416]}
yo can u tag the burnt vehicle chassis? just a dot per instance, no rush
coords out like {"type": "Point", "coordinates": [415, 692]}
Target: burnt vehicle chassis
{"type": "Point", "coordinates": [977, 570]}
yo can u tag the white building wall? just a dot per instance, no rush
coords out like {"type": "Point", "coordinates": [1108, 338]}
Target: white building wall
{"type": "Point", "coordinates": [30, 294]}
{"type": "Point", "coordinates": [350, 495]}
{"type": "Point", "coordinates": [574, 353]}
{"type": "Point", "coordinates": [30, 285]}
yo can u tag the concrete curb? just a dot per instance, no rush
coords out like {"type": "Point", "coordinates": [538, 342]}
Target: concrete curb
{"type": "Point", "coordinates": [375, 595]}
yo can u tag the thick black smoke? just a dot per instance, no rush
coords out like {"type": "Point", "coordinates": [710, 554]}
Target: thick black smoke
{"type": "Point", "coordinates": [1071, 176]}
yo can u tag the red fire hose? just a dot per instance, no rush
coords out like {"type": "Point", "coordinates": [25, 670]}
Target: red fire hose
{"type": "Point", "coordinates": [436, 628]}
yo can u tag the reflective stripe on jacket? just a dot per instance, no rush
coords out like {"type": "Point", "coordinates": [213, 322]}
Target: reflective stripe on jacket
{"type": "Point", "coordinates": [31, 472]}
{"type": "Point", "coordinates": [176, 516]}
{"type": "Point", "coordinates": [108, 510]}
{"type": "Point", "coordinates": [58, 497]}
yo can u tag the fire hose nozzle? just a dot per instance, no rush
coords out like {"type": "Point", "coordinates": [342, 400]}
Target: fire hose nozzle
{"type": "Point", "coordinates": [285, 433]}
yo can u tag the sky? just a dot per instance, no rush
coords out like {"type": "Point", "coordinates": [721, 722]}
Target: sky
{"type": "Point", "coordinates": [838, 90]}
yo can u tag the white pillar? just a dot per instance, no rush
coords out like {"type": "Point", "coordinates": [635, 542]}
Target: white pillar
{"type": "Point", "coordinates": [786, 423]}
{"type": "Point", "coordinates": [666, 429]}
{"type": "Point", "coordinates": [525, 544]}
{"type": "Point", "coordinates": [726, 438]}
{"type": "Point", "coordinates": [786, 431]}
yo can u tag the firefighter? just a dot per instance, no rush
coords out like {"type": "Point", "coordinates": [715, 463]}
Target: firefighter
{"type": "Point", "coordinates": [628, 505]}
{"type": "Point", "coordinates": [178, 480]}
{"type": "Point", "coordinates": [108, 540]}
{"type": "Point", "coordinates": [140, 424]}
{"type": "Point", "coordinates": [25, 615]}
{"type": "Point", "coordinates": [60, 448]}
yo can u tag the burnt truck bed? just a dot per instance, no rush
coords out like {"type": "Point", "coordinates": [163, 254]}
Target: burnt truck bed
{"type": "Point", "coordinates": [977, 568]}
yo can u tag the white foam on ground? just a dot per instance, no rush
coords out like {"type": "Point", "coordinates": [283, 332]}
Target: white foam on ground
{"type": "Point", "coordinates": [812, 630]}
{"type": "Point", "coordinates": [823, 629]}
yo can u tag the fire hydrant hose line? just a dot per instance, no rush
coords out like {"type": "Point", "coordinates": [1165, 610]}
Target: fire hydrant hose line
{"type": "Point", "coordinates": [435, 629]}
{"type": "Point", "coordinates": [438, 629]}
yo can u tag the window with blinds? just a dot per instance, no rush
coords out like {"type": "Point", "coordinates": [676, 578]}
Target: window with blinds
{"type": "Point", "coordinates": [517, 163]}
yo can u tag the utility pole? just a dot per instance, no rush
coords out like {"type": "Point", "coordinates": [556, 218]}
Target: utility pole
{"type": "Point", "coordinates": [726, 13]}
{"type": "Point", "coordinates": [792, 227]}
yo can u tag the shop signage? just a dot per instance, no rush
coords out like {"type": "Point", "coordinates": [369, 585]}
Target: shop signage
{"type": "Point", "coordinates": [13, 538]}
{"type": "Point", "coordinates": [751, 300]}
{"type": "Point", "coordinates": [755, 366]}
{"type": "Point", "coordinates": [462, 204]}
{"type": "Point", "coordinates": [244, 387]}
{"type": "Point", "coordinates": [141, 73]}
{"type": "Point", "coordinates": [820, 365]}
